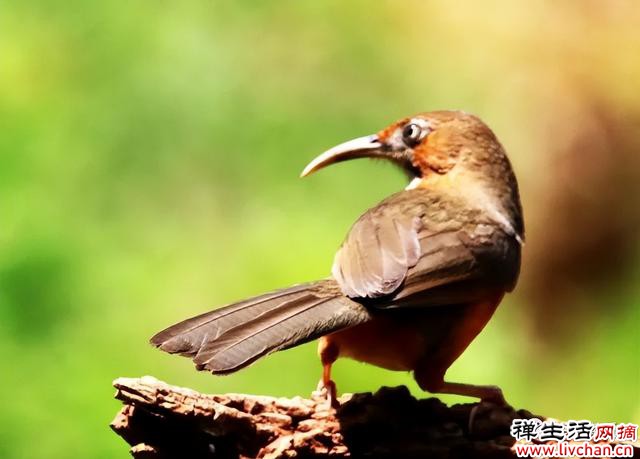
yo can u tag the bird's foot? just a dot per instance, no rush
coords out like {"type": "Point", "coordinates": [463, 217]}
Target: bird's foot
{"type": "Point", "coordinates": [493, 394]}
{"type": "Point", "coordinates": [491, 399]}
{"type": "Point", "coordinates": [328, 392]}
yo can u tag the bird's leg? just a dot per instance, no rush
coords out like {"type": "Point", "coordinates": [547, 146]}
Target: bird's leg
{"type": "Point", "coordinates": [491, 394]}
{"type": "Point", "coordinates": [488, 395]}
{"type": "Point", "coordinates": [432, 379]}
{"type": "Point", "coordinates": [327, 386]}
{"type": "Point", "coordinates": [328, 353]}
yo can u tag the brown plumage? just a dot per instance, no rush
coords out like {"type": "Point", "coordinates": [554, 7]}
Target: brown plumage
{"type": "Point", "coordinates": [417, 277]}
{"type": "Point", "coordinates": [229, 338]}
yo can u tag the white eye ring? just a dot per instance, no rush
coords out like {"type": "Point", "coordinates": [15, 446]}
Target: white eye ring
{"type": "Point", "coordinates": [414, 131]}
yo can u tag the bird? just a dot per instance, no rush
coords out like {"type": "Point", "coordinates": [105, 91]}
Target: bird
{"type": "Point", "coordinates": [416, 279]}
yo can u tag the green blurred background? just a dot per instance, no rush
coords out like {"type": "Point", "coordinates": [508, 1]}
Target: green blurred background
{"type": "Point", "coordinates": [150, 154]}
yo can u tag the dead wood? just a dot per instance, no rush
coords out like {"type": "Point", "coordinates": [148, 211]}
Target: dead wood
{"type": "Point", "coordinates": [163, 421]}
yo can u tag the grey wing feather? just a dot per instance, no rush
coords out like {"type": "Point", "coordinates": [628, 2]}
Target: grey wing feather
{"type": "Point", "coordinates": [408, 250]}
{"type": "Point", "coordinates": [374, 259]}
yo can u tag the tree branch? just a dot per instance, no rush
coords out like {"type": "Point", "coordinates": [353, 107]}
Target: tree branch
{"type": "Point", "coordinates": [163, 421]}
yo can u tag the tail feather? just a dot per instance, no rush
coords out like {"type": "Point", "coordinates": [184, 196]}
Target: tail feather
{"type": "Point", "coordinates": [232, 337]}
{"type": "Point", "coordinates": [243, 345]}
{"type": "Point", "coordinates": [209, 326]}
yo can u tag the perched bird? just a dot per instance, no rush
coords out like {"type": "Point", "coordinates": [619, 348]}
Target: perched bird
{"type": "Point", "coordinates": [416, 279]}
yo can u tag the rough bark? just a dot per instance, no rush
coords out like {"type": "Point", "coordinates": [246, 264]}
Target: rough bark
{"type": "Point", "coordinates": [163, 421]}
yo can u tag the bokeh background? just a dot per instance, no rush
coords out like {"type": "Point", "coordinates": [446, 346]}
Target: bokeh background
{"type": "Point", "coordinates": [149, 161]}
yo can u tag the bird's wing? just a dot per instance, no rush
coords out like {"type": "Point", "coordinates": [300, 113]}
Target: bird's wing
{"type": "Point", "coordinates": [414, 248]}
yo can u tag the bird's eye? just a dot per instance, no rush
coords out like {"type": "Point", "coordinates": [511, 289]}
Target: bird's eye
{"type": "Point", "coordinates": [412, 134]}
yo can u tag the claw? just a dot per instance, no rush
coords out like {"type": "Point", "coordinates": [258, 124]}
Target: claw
{"type": "Point", "coordinates": [494, 395]}
{"type": "Point", "coordinates": [327, 388]}
{"type": "Point", "coordinates": [328, 391]}
{"type": "Point", "coordinates": [492, 398]}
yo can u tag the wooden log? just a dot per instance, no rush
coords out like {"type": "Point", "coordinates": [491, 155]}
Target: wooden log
{"type": "Point", "coordinates": [163, 421]}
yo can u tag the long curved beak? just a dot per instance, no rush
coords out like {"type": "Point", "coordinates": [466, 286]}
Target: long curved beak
{"type": "Point", "coordinates": [363, 147]}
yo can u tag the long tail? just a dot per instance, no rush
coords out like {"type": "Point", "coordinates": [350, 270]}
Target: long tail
{"type": "Point", "coordinates": [230, 338]}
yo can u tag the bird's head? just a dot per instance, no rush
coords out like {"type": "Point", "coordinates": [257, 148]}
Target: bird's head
{"type": "Point", "coordinates": [423, 145]}
{"type": "Point", "coordinates": [448, 150]}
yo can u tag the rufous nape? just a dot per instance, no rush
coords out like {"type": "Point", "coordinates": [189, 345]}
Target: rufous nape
{"type": "Point", "coordinates": [414, 282]}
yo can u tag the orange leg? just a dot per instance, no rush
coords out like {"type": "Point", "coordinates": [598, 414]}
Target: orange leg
{"type": "Point", "coordinates": [432, 380]}
{"type": "Point", "coordinates": [328, 353]}
{"type": "Point", "coordinates": [485, 393]}
{"type": "Point", "coordinates": [429, 373]}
